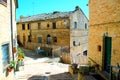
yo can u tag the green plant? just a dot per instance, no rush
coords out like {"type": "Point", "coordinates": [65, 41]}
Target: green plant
{"type": "Point", "coordinates": [20, 52]}
{"type": "Point", "coordinates": [12, 65]}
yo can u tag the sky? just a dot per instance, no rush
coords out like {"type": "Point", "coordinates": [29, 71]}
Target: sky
{"type": "Point", "coordinates": [33, 7]}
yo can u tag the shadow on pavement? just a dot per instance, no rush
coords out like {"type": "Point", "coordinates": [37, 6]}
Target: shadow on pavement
{"type": "Point", "coordinates": [47, 76]}
{"type": "Point", "coordinates": [32, 54]}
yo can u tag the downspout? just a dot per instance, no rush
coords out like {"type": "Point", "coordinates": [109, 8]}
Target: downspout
{"type": "Point", "coordinates": [11, 21]}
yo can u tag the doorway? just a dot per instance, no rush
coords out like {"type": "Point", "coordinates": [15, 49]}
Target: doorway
{"type": "Point", "coordinates": [48, 39]}
{"type": "Point", "coordinates": [107, 53]}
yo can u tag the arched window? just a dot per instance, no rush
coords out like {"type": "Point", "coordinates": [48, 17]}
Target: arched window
{"type": "Point", "coordinates": [48, 39]}
{"type": "Point", "coordinates": [48, 25]}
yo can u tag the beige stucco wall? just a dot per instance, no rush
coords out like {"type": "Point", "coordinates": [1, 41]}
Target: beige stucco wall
{"type": "Point", "coordinates": [5, 35]}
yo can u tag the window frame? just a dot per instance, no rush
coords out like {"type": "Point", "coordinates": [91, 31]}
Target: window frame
{"type": "Point", "coordinates": [74, 43]}
{"type": "Point", "coordinates": [55, 39]}
{"type": "Point", "coordinates": [23, 27]}
{"type": "Point", "coordinates": [39, 41]}
{"type": "Point", "coordinates": [39, 25]}
{"type": "Point", "coordinates": [75, 25]}
{"type": "Point", "coordinates": [54, 25]}
{"type": "Point", "coordinates": [65, 22]}
{"type": "Point", "coordinates": [48, 39]}
{"type": "Point", "coordinates": [28, 26]}
{"type": "Point", "coordinates": [4, 2]}
{"type": "Point", "coordinates": [85, 25]}
{"type": "Point", "coordinates": [48, 25]}
{"type": "Point", "coordinates": [8, 57]}
{"type": "Point", "coordinates": [29, 38]}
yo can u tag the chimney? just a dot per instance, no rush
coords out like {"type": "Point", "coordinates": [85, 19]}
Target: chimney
{"type": "Point", "coordinates": [56, 12]}
{"type": "Point", "coordinates": [77, 8]}
{"type": "Point", "coordinates": [21, 17]}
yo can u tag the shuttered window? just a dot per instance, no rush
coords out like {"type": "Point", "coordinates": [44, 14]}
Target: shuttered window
{"type": "Point", "coordinates": [5, 54]}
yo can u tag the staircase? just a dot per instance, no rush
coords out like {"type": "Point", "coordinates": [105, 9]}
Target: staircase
{"type": "Point", "coordinates": [104, 75]}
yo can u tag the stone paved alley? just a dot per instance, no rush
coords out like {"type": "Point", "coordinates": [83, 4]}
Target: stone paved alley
{"type": "Point", "coordinates": [37, 67]}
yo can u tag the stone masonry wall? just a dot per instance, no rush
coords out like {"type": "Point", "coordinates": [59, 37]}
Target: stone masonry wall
{"type": "Point", "coordinates": [104, 11]}
{"type": "Point", "coordinates": [104, 18]}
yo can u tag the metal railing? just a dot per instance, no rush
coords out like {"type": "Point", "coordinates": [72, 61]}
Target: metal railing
{"type": "Point", "coordinates": [114, 72]}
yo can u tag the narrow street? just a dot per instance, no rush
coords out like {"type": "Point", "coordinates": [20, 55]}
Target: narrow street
{"type": "Point", "coordinates": [37, 67]}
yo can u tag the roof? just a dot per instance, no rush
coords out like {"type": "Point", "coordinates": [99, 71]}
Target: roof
{"type": "Point", "coordinates": [45, 16]}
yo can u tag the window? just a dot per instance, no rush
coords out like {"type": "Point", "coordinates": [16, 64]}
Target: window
{"type": "Point", "coordinates": [75, 25]}
{"type": "Point", "coordinates": [85, 53]}
{"type": "Point", "coordinates": [65, 22]}
{"type": "Point", "coordinates": [48, 39]}
{"type": "Point", "coordinates": [85, 25]}
{"type": "Point", "coordinates": [48, 25]}
{"type": "Point", "coordinates": [29, 39]}
{"type": "Point", "coordinates": [54, 39]}
{"type": "Point", "coordinates": [5, 54]}
{"type": "Point", "coordinates": [39, 39]}
{"type": "Point", "coordinates": [73, 43]}
{"type": "Point", "coordinates": [54, 25]}
{"type": "Point", "coordinates": [23, 26]}
{"type": "Point", "coordinates": [39, 24]}
{"type": "Point", "coordinates": [28, 26]}
{"type": "Point", "coordinates": [99, 48]}
{"type": "Point", "coordinates": [4, 2]}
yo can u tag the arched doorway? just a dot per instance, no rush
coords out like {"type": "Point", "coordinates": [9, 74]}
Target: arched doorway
{"type": "Point", "coordinates": [48, 39]}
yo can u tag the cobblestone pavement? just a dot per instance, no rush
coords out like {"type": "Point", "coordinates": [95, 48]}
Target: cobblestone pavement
{"type": "Point", "coordinates": [37, 67]}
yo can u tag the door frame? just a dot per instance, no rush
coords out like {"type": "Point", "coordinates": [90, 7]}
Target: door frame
{"type": "Point", "coordinates": [104, 53]}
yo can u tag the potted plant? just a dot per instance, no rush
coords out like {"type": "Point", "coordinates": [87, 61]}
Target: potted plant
{"type": "Point", "coordinates": [11, 66]}
{"type": "Point", "coordinates": [20, 57]}
{"type": "Point", "coordinates": [20, 54]}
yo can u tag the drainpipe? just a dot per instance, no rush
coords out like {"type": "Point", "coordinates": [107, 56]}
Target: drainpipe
{"type": "Point", "coordinates": [11, 21]}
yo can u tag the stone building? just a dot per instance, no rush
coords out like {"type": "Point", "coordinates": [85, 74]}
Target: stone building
{"type": "Point", "coordinates": [58, 28]}
{"type": "Point", "coordinates": [104, 33]}
{"type": "Point", "coordinates": [8, 37]}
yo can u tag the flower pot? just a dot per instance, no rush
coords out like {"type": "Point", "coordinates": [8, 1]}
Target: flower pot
{"type": "Point", "coordinates": [9, 69]}
{"type": "Point", "coordinates": [14, 50]}
{"type": "Point", "coordinates": [20, 57]}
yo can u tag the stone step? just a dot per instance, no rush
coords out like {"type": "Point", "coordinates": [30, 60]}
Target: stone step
{"type": "Point", "coordinates": [104, 75]}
